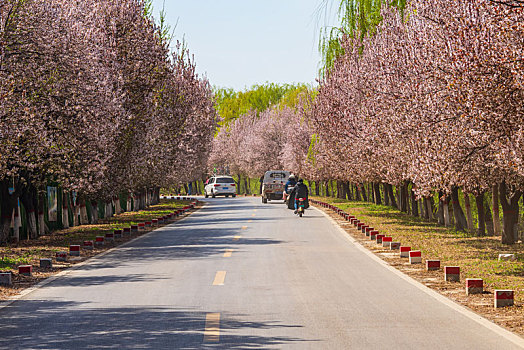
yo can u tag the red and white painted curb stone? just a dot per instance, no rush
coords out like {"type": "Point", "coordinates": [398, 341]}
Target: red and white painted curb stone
{"type": "Point", "coordinates": [415, 257]}
{"type": "Point", "coordinates": [404, 252]}
{"type": "Point", "coordinates": [432, 265]}
{"type": "Point", "coordinates": [26, 270]}
{"type": "Point", "coordinates": [452, 273]}
{"type": "Point", "coordinates": [474, 286]}
{"type": "Point", "coordinates": [74, 250]}
{"type": "Point", "coordinates": [504, 298]}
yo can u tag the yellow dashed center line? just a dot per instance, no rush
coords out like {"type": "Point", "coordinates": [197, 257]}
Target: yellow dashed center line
{"type": "Point", "coordinates": [219, 278]}
{"type": "Point", "coordinates": [228, 253]}
{"type": "Point", "coordinates": [253, 214]}
{"type": "Point", "coordinates": [244, 227]}
{"type": "Point", "coordinates": [212, 331]}
{"type": "Point", "coordinates": [236, 238]}
{"type": "Point", "coordinates": [250, 220]}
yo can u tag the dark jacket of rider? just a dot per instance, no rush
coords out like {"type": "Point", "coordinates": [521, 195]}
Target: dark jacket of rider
{"type": "Point", "coordinates": [301, 191]}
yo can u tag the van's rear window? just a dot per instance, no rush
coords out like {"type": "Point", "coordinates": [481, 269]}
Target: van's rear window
{"type": "Point", "coordinates": [225, 180]}
{"type": "Point", "coordinates": [278, 175]}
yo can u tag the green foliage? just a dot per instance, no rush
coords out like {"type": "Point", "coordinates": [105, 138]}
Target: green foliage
{"type": "Point", "coordinates": [358, 19]}
{"type": "Point", "coordinates": [148, 8]}
{"type": "Point", "coordinates": [7, 261]}
{"type": "Point", "coordinates": [231, 104]}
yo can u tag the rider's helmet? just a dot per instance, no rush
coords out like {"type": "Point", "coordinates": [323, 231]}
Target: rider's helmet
{"type": "Point", "coordinates": [291, 177]}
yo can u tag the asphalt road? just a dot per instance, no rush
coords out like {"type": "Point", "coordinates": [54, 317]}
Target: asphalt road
{"type": "Point", "coordinates": [239, 274]}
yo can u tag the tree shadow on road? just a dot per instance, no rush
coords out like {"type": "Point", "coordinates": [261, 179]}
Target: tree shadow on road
{"type": "Point", "coordinates": [48, 324]}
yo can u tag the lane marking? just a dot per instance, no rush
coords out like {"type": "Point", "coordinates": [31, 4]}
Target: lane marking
{"type": "Point", "coordinates": [236, 238]}
{"type": "Point", "coordinates": [253, 214]}
{"type": "Point", "coordinates": [254, 210]}
{"type": "Point", "coordinates": [212, 330]}
{"type": "Point", "coordinates": [228, 253]}
{"type": "Point", "coordinates": [250, 221]}
{"type": "Point", "coordinates": [244, 227]}
{"type": "Point", "coordinates": [219, 278]}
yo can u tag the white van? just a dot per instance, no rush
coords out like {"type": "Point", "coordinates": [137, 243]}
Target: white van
{"type": "Point", "coordinates": [273, 185]}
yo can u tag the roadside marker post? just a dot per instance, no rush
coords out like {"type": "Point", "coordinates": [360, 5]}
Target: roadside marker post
{"type": "Point", "coordinates": [474, 286]}
{"type": "Point", "coordinates": [117, 233]}
{"type": "Point", "coordinates": [452, 273]}
{"type": "Point", "coordinates": [504, 298]}
{"type": "Point", "coordinates": [415, 257]}
{"type": "Point", "coordinates": [25, 270]}
{"type": "Point", "coordinates": [46, 263]}
{"type": "Point", "coordinates": [61, 256]}
{"type": "Point", "coordinates": [386, 241]}
{"type": "Point", "coordinates": [6, 279]}
{"type": "Point", "coordinates": [432, 265]}
{"type": "Point", "coordinates": [404, 252]}
{"type": "Point", "coordinates": [394, 246]}
{"type": "Point", "coordinates": [74, 250]}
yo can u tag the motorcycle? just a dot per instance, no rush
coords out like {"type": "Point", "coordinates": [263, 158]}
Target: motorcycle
{"type": "Point", "coordinates": [301, 206]}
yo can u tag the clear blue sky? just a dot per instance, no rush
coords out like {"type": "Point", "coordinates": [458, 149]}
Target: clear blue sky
{"type": "Point", "coordinates": [238, 43]}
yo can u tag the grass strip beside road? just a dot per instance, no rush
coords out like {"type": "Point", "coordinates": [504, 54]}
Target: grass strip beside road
{"type": "Point", "coordinates": [476, 256]}
{"type": "Point", "coordinates": [30, 252]}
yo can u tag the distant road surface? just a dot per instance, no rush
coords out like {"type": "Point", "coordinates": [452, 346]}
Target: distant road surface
{"type": "Point", "coordinates": [240, 274]}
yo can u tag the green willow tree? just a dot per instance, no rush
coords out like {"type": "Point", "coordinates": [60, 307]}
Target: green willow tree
{"type": "Point", "coordinates": [232, 104]}
{"type": "Point", "coordinates": [358, 18]}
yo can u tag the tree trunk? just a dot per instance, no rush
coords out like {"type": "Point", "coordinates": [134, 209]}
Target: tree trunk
{"type": "Point", "coordinates": [41, 218]}
{"type": "Point", "coordinates": [17, 223]}
{"type": "Point", "coordinates": [317, 188]}
{"type": "Point", "coordinates": [405, 198]}
{"type": "Point", "coordinates": [447, 213]}
{"type": "Point", "coordinates": [479, 201]}
{"type": "Point", "coordinates": [496, 214]}
{"type": "Point", "coordinates": [340, 191]}
{"type": "Point", "coordinates": [118, 207]}
{"type": "Point", "coordinates": [94, 212]}
{"type": "Point", "coordinates": [84, 220]}
{"type": "Point", "coordinates": [488, 217]}
{"type": "Point", "coordinates": [510, 210]}
{"type": "Point", "coordinates": [414, 205]}
{"type": "Point", "coordinates": [129, 203]}
{"type": "Point", "coordinates": [28, 199]}
{"type": "Point", "coordinates": [392, 195]}
{"type": "Point", "coordinates": [246, 186]}
{"type": "Point", "coordinates": [441, 209]}
{"type": "Point", "coordinates": [460, 218]}
{"type": "Point", "coordinates": [428, 208]}
{"type": "Point", "coordinates": [326, 188]}
{"type": "Point", "coordinates": [421, 207]}
{"type": "Point", "coordinates": [364, 194]}
{"type": "Point", "coordinates": [469, 214]}
{"type": "Point", "coordinates": [378, 196]}
{"type": "Point", "coordinates": [74, 210]}
{"type": "Point", "coordinates": [357, 194]}
{"type": "Point", "coordinates": [347, 190]}
{"type": "Point", "coordinates": [65, 209]}
{"type": "Point", "coordinates": [386, 195]}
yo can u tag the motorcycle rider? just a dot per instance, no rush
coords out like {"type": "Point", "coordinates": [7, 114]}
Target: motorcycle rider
{"type": "Point", "coordinates": [291, 182]}
{"type": "Point", "coordinates": [301, 191]}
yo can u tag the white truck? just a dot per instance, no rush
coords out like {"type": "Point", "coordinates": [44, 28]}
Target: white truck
{"type": "Point", "coordinates": [273, 185]}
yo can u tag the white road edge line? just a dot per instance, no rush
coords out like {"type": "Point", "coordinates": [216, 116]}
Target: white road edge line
{"type": "Point", "coordinates": [6, 303]}
{"type": "Point", "coordinates": [514, 338]}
